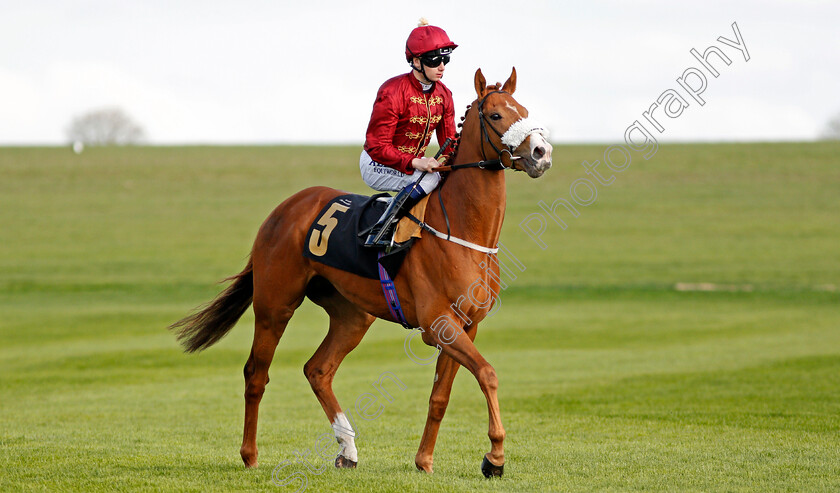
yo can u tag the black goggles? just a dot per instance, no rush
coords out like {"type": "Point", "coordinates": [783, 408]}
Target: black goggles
{"type": "Point", "coordinates": [434, 61]}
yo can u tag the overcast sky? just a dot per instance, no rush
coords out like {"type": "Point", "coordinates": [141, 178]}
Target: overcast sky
{"type": "Point", "coordinates": [307, 71]}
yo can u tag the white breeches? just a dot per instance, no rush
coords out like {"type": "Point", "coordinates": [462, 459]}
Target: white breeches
{"type": "Point", "coordinates": [382, 178]}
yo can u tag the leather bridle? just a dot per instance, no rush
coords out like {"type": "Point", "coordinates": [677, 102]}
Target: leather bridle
{"type": "Point", "coordinates": [485, 136]}
{"type": "Point", "coordinates": [497, 164]}
{"type": "Point", "coordinates": [485, 164]}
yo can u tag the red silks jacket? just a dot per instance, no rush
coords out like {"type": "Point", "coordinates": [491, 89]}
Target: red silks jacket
{"type": "Point", "coordinates": [403, 119]}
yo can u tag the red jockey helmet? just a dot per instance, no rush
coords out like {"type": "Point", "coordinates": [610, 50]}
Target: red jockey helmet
{"type": "Point", "coordinates": [425, 38]}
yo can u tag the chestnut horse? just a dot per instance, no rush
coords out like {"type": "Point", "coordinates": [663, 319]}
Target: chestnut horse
{"type": "Point", "coordinates": [434, 275]}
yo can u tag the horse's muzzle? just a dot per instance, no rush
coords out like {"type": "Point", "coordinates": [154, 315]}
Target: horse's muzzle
{"type": "Point", "coordinates": [540, 159]}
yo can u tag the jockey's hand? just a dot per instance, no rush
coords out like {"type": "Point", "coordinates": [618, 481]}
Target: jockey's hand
{"type": "Point", "coordinates": [424, 163]}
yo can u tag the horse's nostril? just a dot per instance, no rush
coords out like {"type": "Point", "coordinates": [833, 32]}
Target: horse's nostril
{"type": "Point", "coordinates": [539, 152]}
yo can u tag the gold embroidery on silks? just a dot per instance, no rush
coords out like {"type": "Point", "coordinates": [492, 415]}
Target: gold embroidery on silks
{"type": "Point", "coordinates": [432, 101]}
{"type": "Point", "coordinates": [413, 136]}
{"type": "Point", "coordinates": [407, 150]}
{"type": "Point", "coordinates": [422, 119]}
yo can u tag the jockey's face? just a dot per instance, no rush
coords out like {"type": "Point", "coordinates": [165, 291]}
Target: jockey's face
{"type": "Point", "coordinates": [434, 74]}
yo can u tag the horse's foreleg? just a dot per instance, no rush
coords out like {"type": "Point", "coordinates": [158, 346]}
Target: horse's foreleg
{"type": "Point", "coordinates": [348, 324]}
{"type": "Point", "coordinates": [445, 372]}
{"type": "Point", "coordinates": [464, 352]}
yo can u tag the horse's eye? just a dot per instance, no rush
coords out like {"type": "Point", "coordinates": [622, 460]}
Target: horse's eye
{"type": "Point", "coordinates": [495, 116]}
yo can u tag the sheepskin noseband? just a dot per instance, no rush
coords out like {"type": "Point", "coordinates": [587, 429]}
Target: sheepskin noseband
{"type": "Point", "coordinates": [519, 131]}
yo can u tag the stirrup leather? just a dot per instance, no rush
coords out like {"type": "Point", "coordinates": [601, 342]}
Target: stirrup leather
{"type": "Point", "coordinates": [381, 234]}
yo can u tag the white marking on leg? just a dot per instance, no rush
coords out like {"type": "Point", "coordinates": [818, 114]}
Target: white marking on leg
{"type": "Point", "coordinates": [345, 436]}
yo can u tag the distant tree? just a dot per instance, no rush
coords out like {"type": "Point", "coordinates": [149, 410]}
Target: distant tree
{"type": "Point", "coordinates": [832, 129]}
{"type": "Point", "coordinates": [105, 126]}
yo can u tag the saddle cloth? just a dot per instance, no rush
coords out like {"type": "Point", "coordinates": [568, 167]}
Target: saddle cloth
{"type": "Point", "coordinates": [333, 239]}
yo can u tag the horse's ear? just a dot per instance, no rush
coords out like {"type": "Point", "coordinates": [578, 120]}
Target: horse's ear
{"type": "Point", "coordinates": [480, 84]}
{"type": "Point", "coordinates": [510, 84]}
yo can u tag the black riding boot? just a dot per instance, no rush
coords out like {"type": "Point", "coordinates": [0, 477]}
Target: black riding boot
{"type": "Point", "coordinates": [381, 232]}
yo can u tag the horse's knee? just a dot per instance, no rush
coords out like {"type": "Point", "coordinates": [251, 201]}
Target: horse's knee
{"type": "Point", "coordinates": [487, 378]}
{"type": "Point", "coordinates": [437, 407]}
{"type": "Point", "coordinates": [254, 391]}
{"type": "Point", "coordinates": [316, 375]}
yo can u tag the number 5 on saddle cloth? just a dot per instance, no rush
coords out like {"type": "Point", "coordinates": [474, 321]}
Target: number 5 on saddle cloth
{"type": "Point", "coordinates": [333, 239]}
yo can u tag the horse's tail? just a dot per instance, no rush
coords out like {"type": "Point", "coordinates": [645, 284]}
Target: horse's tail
{"type": "Point", "coordinates": [204, 328]}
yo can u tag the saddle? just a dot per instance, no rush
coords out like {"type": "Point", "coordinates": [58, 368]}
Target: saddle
{"type": "Point", "coordinates": [334, 237]}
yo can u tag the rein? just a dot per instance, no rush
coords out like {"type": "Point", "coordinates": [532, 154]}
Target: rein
{"type": "Point", "coordinates": [511, 139]}
{"type": "Point", "coordinates": [490, 165]}
{"type": "Point", "coordinates": [485, 164]}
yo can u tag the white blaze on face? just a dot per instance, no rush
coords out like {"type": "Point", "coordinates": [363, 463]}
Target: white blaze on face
{"type": "Point", "coordinates": [513, 108]}
{"type": "Point", "coordinates": [345, 436]}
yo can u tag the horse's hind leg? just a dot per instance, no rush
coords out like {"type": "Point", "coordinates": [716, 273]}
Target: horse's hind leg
{"type": "Point", "coordinates": [348, 325]}
{"type": "Point", "coordinates": [273, 307]}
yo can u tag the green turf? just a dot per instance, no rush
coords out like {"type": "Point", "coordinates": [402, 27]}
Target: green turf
{"type": "Point", "coordinates": [611, 378]}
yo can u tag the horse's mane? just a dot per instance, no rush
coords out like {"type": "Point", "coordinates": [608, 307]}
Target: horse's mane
{"type": "Point", "coordinates": [457, 141]}
{"type": "Point", "coordinates": [497, 86]}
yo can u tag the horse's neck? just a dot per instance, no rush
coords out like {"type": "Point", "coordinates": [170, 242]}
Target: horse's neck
{"type": "Point", "coordinates": [475, 202]}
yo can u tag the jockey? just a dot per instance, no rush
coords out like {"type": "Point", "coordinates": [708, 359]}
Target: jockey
{"type": "Point", "coordinates": [408, 108]}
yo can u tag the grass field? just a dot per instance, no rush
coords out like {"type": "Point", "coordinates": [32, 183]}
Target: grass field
{"type": "Point", "coordinates": [611, 377]}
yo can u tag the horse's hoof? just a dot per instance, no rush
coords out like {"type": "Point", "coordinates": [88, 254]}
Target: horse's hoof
{"type": "Point", "coordinates": [342, 462]}
{"type": "Point", "coordinates": [491, 470]}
